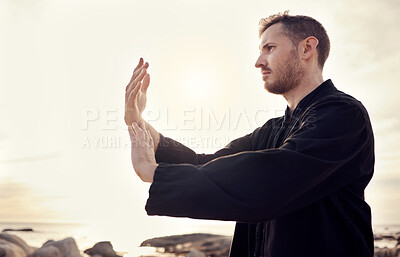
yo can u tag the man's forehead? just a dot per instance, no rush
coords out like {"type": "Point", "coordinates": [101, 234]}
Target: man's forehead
{"type": "Point", "coordinates": [271, 34]}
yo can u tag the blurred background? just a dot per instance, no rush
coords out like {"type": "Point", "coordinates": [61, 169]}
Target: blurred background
{"type": "Point", "coordinates": [64, 65]}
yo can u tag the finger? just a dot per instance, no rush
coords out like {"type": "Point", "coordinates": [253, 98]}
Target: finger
{"type": "Point", "coordinates": [133, 84]}
{"type": "Point", "coordinates": [132, 130]}
{"type": "Point", "coordinates": [149, 134]}
{"type": "Point", "coordinates": [132, 135]}
{"type": "Point", "coordinates": [142, 125]}
{"type": "Point", "coordinates": [137, 129]}
{"type": "Point", "coordinates": [134, 76]}
{"type": "Point", "coordinates": [130, 89]}
{"type": "Point", "coordinates": [146, 83]}
{"type": "Point", "coordinates": [138, 135]}
{"type": "Point", "coordinates": [136, 72]}
{"type": "Point", "coordinates": [139, 64]}
{"type": "Point", "coordinates": [133, 93]}
{"type": "Point", "coordinates": [151, 140]}
{"type": "Point", "coordinates": [141, 75]}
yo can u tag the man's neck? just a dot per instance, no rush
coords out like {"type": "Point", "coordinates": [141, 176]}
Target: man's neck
{"type": "Point", "coordinates": [306, 86]}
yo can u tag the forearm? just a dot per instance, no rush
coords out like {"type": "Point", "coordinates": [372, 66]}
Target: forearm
{"type": "Point", "coordinates": [170, 151]}
{"type": "Point", "coordinates": [173, 152]}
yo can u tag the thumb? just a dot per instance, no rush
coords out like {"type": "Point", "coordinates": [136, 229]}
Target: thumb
{"type": "Point", "coordinates": [131, 133]}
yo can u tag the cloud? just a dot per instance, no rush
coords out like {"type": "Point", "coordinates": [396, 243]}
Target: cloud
{"type": "Point", "coordinates": [365, 44]}
{"type": "Point", "coordinates": [20, 202]}
{"type": "Point", "coordinates": [31, 158]}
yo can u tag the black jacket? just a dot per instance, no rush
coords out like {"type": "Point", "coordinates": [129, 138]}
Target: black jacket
{"type": "Point", "coordinates": [295, 186]}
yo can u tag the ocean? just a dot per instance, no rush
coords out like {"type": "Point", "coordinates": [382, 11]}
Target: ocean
{"type": "Point", "coordinates": [85, 235]}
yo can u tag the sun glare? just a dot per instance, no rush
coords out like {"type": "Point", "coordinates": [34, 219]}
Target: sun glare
{"type": "Point", "coordinates": [197, 85]}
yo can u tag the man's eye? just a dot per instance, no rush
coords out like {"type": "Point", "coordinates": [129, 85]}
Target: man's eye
{"type": "Point", "coordinates": [270, 48]}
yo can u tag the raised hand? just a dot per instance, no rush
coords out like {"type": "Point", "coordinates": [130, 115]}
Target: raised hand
{"type": "Point", "coordinates": [142, 155]}
{"type": "Point", "coordinates": [135, 93]}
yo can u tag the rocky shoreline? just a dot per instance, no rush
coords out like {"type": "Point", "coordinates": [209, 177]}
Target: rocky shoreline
{"type": "Point", "coordinates": [13, 246]}
{"type": "Point", "coordinates": [188, 245]}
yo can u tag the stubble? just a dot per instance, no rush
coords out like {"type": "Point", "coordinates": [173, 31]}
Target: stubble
{"type": "Point", "coordinates": [288, 75]}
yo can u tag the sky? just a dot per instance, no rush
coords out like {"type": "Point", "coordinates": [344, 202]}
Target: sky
{"type": "Point", "coordinates": [64, 148]}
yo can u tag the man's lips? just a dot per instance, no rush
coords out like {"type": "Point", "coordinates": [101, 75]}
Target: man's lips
{"type": "Point", "coordinates": [265, 71]}
{"type": "Point", "coordinates": [265, 74]}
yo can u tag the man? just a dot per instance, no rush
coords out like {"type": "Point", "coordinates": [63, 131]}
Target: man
{"type": "Point", "coordinates": [296, 185]}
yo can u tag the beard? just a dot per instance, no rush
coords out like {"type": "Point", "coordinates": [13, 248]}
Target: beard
{"type": "Point", "coordinates": [288, 75]}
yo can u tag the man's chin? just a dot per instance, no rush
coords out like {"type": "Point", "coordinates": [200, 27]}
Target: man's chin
{"type": "Point", "coordinates": [268, 88]}
{"type": "Point", "coordinates": [272, 89]}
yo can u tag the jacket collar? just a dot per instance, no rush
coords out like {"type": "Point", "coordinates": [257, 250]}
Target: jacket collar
{"type": "Point", "coordinates": [322, 90]}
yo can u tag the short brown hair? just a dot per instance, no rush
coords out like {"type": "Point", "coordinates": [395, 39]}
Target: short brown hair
{"type": "Point", "coordinates": [298, 28]}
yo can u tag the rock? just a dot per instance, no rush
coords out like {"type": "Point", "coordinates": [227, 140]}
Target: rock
{"type": "Point", "coordinates": [8, 249]}
{"type": "Point", "coordinates": [66, 248]}
{"type": "Point", "coordinates": [387, 252]}
{"type": "Point", "coordinates": [18, 229]}
{"type": "Point", "coordinates": [104, 249]}
{"type": "Point", "coordinates": [195, 253]}
{"type": "Point", "coordinates": [177, 239]}
{"type": "Point", "coordinates": [47, 251]}
{"type": "Point", "coordinates": [13, 246]}
{"type": "Point", "coordinates": [209, 244]}
{"type": "Point", "coordinates": [389, 237]}
{"type": "Point", "coordinates": [48, 242]}
{"type": "Point", "coordinates": [17, 241]}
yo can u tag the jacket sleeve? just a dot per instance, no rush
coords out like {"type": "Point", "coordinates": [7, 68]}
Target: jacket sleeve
{"type": "Point", "coordinates": [173, 152]}
{"type": "Point", "coordinates": [331, 148]}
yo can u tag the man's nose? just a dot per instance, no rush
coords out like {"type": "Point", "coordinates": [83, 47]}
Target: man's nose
{"type": "Point", "coordinates": [260, 62]}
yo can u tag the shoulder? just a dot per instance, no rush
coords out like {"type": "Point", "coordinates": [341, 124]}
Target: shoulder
{"type": "Point", "coordinates": [338, 103]}
{"type": "Point", "coordinates": [336, 113]}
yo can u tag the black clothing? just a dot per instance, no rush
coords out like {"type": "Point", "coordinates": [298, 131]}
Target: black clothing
{"type": "Point", "coordinates": [295, 186]}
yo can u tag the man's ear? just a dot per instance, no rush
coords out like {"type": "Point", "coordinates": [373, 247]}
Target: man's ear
{"type": "Point", "coordinates": [309, 47]}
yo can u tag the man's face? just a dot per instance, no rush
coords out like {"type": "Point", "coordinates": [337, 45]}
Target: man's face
{"type": "Point", "coordinates": [279, 61]}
